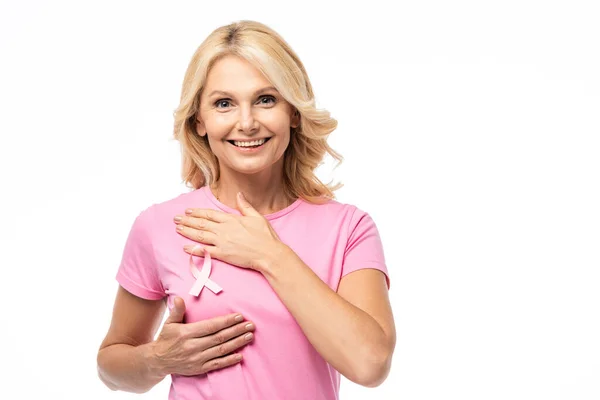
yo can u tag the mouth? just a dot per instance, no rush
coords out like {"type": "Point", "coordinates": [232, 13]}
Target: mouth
{"type": "Point", "coordinates": [249, 144]}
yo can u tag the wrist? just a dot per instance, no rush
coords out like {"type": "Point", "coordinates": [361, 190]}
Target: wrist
{"type": "Point", "coordinates": [155, 368]}
{"type": "Point", "coordinates": [272, 261]}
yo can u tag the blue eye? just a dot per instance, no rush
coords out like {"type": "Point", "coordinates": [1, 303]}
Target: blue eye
{"type": "Point", "coordinates": [221, 101]}
{"type": "Point", "coordinates": [267, 98]}
{"type": "Point", "coordinates": [225, 103]}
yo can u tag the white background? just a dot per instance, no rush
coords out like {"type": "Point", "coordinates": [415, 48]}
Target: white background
{"type": "Point", "coordinates": [470, 132]}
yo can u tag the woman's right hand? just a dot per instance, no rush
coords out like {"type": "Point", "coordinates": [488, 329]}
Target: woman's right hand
{"type": "Point", "coordinates": [199, 347]}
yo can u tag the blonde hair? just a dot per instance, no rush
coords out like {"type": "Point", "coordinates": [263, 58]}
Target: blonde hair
{"type": "Point", "coordinates": [270, 54]}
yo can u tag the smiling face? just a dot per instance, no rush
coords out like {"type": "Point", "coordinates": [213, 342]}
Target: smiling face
{"type": "Point", "coordinates": [239, 110]}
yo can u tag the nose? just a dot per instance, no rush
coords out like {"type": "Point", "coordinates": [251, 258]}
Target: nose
{"type": "Point", "coordinates": [247, 123]}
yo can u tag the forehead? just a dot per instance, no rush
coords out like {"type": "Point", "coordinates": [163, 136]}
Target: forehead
{"type": "Point", "coordinates": [235, 75]}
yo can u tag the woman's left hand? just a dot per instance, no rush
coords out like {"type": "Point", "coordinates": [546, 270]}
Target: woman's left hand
{"type": "Point", "coordinates": [246, 240]}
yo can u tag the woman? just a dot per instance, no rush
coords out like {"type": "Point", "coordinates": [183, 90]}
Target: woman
{"type": "Point", "coordinates": [274, 288]}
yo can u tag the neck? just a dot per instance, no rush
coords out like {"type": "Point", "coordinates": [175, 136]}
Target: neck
{"type": "Point", "coordinates": [267, 197]}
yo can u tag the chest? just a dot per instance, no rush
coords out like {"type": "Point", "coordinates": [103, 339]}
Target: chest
{"type": "Point", "coordinates": [244, 291]}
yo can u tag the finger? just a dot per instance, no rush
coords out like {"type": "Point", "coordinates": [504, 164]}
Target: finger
{"type": "Point", "coordinates": [222, 337]}
{"type": "Point", "coordinates": [177, 312]}
{"type": "Point", "coordinates": [220, 363]}
{"type": "Point", "coordinates": [228, 347]}
{"type": "Point", "coordinates": [210, 326]}
{"type": "Point", "coordinates": [197, 250]}
{"type": "Point", "coordinates": [197, 235]}
{"type": "Point", "coordinates": [197, 223]}
{"type": "Point", "coordinates": [245, 207]}
{"type": "Point", "coordinates": [212, 215]}
{"type": "Point", "coordinates": [213, 251]}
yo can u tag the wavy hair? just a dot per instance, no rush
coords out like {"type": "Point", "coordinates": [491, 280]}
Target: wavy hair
{"type": "Point", "coordinates": [266, 50]}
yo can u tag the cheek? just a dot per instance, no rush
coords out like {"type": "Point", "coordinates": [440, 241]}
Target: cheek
{"type": "Point", "coordinates": [278, 122]}
{"type": "Point", "coordinates": [219, 126]}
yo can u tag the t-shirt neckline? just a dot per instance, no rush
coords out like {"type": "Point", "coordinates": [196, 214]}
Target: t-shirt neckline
{"type": "Point", "coordinates": [209, 194]}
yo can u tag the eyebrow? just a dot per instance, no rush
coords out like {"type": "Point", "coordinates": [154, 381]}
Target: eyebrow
{"type": "Point", "coordinates": [260, 91]}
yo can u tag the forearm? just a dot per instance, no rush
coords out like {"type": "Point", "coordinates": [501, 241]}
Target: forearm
{"type": "Point", "coordinates": [129, 368]}
{"type": "Point", "coordinates": [346, 337]}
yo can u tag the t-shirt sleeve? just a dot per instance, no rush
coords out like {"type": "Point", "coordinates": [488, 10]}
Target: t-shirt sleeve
{"type": "Point", "coordinates": [364, 248]}
{"type": "Point", "coordinates": [138, 271]}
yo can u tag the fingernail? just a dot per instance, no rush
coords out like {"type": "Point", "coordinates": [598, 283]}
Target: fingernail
{"type": "Point", "coordinates": [249, 326]}
{"type": "Point", "coordinates": [177, 218]}
{"type": "Point", "coordinates": [248, 336]}
{"type": "Point", "coordinates": [188, 211]}
{"type": "Point", "coordinates": [179, 227]}
{"type": "Point", "coordinates": [239, 318]}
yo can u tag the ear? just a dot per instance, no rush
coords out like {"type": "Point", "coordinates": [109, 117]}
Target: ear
{"type": "Point", "coordinates": [295, 122]}
{"type": "Point", "coordinates": [200, 128]}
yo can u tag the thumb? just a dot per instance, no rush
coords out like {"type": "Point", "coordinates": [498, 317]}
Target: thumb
{"type": "Point", "coordinates": [245, 207]}
{"type": "Point", "coordinates": [177, 312]}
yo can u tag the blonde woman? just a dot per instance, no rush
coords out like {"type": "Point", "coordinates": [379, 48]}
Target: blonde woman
{"type": "Point", "coordinates": [274, 287]}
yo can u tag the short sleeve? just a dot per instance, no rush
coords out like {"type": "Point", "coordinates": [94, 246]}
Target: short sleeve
{"type": "Point", "coordinates": [364, 248]}
{"type": "Point", "coordinates": [138, 271]}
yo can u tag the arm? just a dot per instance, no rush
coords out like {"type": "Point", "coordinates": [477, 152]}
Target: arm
{"type": "Point", "coordinates": [129, 360]}
{"type": "Point", "coordinates": [125, 360]}
{"type": "Point", "coordinates": [355, 332]}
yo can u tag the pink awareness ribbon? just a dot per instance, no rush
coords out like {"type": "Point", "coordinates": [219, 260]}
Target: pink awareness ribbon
{"type": "Point", "coordinates": [202, 277]}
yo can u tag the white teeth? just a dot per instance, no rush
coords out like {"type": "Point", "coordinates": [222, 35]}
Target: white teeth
{"type": "Point", "coordinates": [249, 144]}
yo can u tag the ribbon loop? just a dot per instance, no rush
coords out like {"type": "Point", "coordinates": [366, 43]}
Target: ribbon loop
{"type": "Point", "coordinates": [202, 277]}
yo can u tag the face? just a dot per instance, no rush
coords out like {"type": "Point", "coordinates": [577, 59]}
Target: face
{"type": "Point", "coordinates": [247, 121]}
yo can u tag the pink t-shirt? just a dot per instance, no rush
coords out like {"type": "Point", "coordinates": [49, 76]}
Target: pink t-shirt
{"type": "Point", "coordinates": [333, 239]}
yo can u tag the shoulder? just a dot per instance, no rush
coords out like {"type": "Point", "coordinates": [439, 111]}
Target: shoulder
{"type": "Point", "coordinates": [347, 208]}
{"type": "Point", "coordinates": [163, 211]}
{"type": "Point", "coordinates": [332, 210]}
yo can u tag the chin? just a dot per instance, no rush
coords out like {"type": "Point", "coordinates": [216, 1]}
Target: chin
{"type": "Point", "coordinates": [254, 168]}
